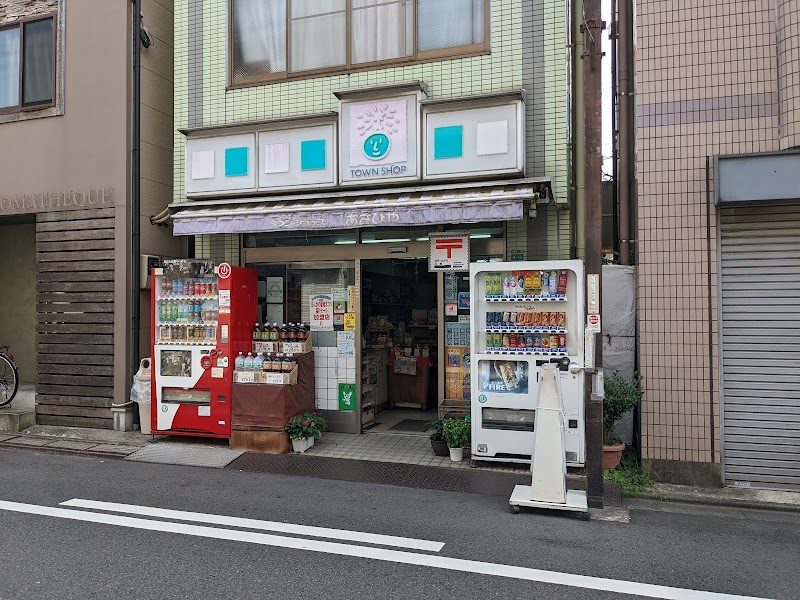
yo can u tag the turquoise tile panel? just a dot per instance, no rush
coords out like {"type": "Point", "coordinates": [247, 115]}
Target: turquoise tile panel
{"type": "Point", "coordinates": [236, 162]}
{"type": "Point", "coordinates": [448, 142]}
{"type": "Point", "coordinates": [312, 155]}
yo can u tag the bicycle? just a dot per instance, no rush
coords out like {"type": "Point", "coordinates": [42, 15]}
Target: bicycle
{"type": "Point", "coordinates": [9, 377]}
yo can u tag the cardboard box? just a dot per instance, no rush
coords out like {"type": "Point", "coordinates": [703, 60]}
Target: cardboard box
{"type": "Point", "coordinates": [266, 347]}
{"type": "Point", "coordinates": [296, 347]}
{"type": "Point", "coordinates": [244, 376]}
{"type": "Point", "coordinates": [289, 378]}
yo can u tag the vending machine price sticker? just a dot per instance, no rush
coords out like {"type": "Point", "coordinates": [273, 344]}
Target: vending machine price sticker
{"type": "Point", "coordinates": [224, 298]}
{"type": "Point", "coordinates": [203, 411]}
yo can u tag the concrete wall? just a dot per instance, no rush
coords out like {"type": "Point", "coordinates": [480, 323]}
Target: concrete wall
{"type": "Point", "coordinates": [18, 282]}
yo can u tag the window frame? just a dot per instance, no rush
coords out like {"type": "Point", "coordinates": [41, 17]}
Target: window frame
{"type": "Point", "coordinates": [416, 57]}
{"type": "Point", "coordinates": [21, 106]}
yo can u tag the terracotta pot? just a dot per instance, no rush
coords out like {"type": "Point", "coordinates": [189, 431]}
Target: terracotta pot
{"type": "Point", "coordinates": [612, 455]}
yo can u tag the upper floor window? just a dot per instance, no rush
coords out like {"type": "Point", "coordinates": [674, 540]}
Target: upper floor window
{"type": "Point", "coordinates": [275, 39]}
{"type": "Point", "coordinates": [27, 59]}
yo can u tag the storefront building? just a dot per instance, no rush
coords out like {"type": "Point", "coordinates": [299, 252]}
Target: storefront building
{"type": "Point", "coordinates": [65, 198]}
{"type": "Point", "coordinates": [718, 242]}
{"type": "Point", "coordinates": [351, 152]}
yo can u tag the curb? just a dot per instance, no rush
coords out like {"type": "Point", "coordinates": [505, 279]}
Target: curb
{"type": "Point", "coordinates": [725, 502]}
{"type": "Point", "coordinates": [72, 451]}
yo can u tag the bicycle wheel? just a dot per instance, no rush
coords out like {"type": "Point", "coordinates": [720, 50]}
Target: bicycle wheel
{"type": "Point", "coordinates": [9, 380]}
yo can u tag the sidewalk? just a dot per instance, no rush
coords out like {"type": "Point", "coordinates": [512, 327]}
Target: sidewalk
{"type": "Point", "coordinates": [352, 450]}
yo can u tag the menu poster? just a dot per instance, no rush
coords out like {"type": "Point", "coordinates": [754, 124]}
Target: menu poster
{"type": "Point", "coordinates": [346, 344]}
{"type": "Point", "coordinates": [321, 312]}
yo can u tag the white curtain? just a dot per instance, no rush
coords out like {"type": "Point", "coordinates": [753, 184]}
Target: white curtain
{"type": "Point", "coordinates": [37, 70]}
{"type": "Point", "coordinates": [318, 34]}
{"type": "Point", "coordinates": [449, 23]}
{"type": "Point", "coordinates": [9, 67]}
{"type": "Point", "coordinates": [382, 29]}
{"type": "Point", "coordinates": [259, 31]}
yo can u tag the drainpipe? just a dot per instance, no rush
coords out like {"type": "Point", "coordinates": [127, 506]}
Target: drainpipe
{"type": "Point", "coordinates": [135, 182]}
{"type": "Point", "coordinates": [579, 136]}
{"type": "Point", "coordinates": [614, 36]}
{"type": "Point", "coordinates": [625, 95]}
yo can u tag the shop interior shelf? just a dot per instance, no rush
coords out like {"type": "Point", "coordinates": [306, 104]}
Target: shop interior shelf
{"type": "Point", "coordinates": [526, 329]}
{"type": "Point", "coordinates": [198, 297]}
{"type": "Point", "coordinates": [554, 298]}
{"type": "Point", "coordinates": [526, 352]}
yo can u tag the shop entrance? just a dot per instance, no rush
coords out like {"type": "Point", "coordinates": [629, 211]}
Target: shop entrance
{"type": "Point", "coordinates": [399, 360]}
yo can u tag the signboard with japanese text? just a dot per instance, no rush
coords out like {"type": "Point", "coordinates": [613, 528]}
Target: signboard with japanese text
{"type": "Point", "coordinates": [449, 252]}
{"type": "Point", "coordinates": [321, 312]}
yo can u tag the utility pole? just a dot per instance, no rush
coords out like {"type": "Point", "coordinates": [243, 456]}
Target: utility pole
{"type": "Point", "coordinates": [592, 29]}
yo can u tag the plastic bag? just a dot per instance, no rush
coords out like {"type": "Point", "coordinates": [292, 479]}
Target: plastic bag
{"type": "Point", "coordinates": [140, 390]}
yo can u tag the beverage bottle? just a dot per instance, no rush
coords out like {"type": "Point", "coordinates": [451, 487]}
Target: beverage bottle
{"type": "Point", "coordinates": [266, 333]}
{"type": "Point", "coordinates": [258, 362]}
{"type": "Point", "coordinates": [256, 333]}
{"type": "Point", "coordinates": [165, 287]}
{"type": "Point", "coordinates": [248, 362]}
{"type": "Point", "coordinates": [176, 287]}
{"type": "Point", "coordinates": [184, 311]}
{"type": "Point", "coordinates": [289, 364]}
{"type": "Point", "coordinates": [238, 363]}
{"type": "Point", "coordinates": [266, 366]}
{"type": "Point", "coordinates": [302, 333]}
{"type": "Point", "coordinates": [284, 337]}
{"type": "Point", "coordinates": [275, 334]}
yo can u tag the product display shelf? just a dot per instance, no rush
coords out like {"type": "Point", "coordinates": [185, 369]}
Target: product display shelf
{"type": "Point", "coordinates": [161, 342]}
{"type": "Point", "coordinates": [525, 329]}
{"type": "Point", "coordinates": [193, 297]}
{"type": "Point", "coordinates": [527, 352]}
{"type": "Point", "coordinates": [549, 298]}
{"type": "Point", "coordinates": [186, 324]}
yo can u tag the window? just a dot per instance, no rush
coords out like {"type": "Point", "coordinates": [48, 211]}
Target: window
{"type": "Point", "coordinates": [276, 39]}
{"type": "Point", "coordinates": [27, 57]}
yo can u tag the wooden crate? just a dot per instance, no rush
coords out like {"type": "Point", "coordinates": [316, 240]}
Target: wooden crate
{"type": "Point", "coordinates": [260, 440]}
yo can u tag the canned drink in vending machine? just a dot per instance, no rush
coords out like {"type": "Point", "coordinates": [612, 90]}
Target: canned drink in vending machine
{"type": "Point", "coordinates": [562, 340]}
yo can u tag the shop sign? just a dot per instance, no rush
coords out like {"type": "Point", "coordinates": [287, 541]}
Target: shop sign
{"type": "Point", "coordinates": [350, 321]}
{"type": "Point", "coordinates": [99, 197]}
{"type": "Point", "coordinates": [347, 396]}
{"type": "Point", "coordinates": [379, 140]}
{"type": "Point", "coordinates": [449, 252]}
{"type": "Point", "coordinates": [593, 323]}
{"type": "Point", "coordinates": [321, 312]}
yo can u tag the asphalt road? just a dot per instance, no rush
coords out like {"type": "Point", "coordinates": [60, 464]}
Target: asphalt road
{"type": "Point", "coordinates": [751, 553]}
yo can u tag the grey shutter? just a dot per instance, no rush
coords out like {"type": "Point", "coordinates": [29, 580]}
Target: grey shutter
{"type": "Point", "coordinates": [760, 338]}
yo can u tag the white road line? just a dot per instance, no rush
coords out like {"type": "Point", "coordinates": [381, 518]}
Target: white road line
{"type": "Point", "coordinates": [395, 556]}
{"type": "Point", "coordinates": [324, 532]}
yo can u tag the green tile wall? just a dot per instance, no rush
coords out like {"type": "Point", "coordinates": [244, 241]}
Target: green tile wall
{"type": "Point", "coordinates": [529, 46]}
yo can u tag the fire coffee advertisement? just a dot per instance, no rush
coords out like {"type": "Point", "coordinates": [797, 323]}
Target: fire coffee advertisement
{"type": "Point", "coordinates": [503, 376]}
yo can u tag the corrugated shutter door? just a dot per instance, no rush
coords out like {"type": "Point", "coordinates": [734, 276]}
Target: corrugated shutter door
{"type": "Point", "coordinates": [760, 291]}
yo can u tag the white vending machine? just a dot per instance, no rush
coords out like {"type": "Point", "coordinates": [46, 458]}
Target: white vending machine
{"type": "Point", "coordinates": [525, 315]}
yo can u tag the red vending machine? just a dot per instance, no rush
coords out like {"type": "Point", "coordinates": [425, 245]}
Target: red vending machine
{"type": "Point", "coordinates": [203, 317]}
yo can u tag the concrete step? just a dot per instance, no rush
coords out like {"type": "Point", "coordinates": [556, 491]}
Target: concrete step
{"type": "Point", "coordinates": [15, 420]}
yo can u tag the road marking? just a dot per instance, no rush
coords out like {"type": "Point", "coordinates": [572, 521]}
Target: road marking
{"type": "Point", "coordinates": [324, 532]}
{"type": "Point", "coordinates": [396, 556]}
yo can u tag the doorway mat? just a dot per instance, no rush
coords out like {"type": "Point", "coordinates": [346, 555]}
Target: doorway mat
{"type": "Point", "coordinates": [471, 481]}
{"type": "Point", "coordinates": [411, 425]}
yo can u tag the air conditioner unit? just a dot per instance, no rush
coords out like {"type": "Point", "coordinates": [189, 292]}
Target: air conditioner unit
{"type": "Point", "coordinates": [147, 264]}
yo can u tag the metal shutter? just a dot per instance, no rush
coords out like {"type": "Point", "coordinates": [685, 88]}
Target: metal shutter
{"type": "Point", "coordinates": [760, 327]}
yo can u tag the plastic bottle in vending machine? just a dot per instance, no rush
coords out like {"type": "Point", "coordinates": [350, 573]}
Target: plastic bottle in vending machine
{"type": "Point", "coordinates": [238, 363]}
{"type": "Point", "coordinates": [166, 287]}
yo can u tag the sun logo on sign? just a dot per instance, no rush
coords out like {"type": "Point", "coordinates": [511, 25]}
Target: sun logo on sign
{"type": "Point", "coordinates": [377, 124]}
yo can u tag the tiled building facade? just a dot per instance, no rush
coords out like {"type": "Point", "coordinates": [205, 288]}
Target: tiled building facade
{"type": "Point", "coordinates": [712, 78]}
{"type": "Point", "coordinates": [529, 51]}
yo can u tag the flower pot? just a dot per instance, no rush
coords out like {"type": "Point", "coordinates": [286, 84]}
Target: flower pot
{"type": "Point", "coordinates": [456, 454]}
{"type": "Point", "coordinates": [439, 447]}
{"type": "Point", "coordinates": [612, 455]}
{"type": "Point", "coordinates": [302, 444]}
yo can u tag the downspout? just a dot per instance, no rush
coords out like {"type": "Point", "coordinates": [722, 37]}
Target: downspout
{"type": "Point", "coordinates": [135, 181]}
{"type": "Point", "coordinates": [614, 133]}
{"type": "Point", "coordinates": [625, 95]}
{"type": "Point", "coordinates": [578, 133]}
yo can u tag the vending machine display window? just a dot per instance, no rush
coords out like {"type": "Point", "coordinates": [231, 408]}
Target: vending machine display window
{"type": "Point", "coordinates": [176, 363]}
{"type": "Point", "coordinates": [514, 419]}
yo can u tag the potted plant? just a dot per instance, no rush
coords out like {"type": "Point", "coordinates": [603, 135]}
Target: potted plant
{"type": "Point", "coordinates": [621, 396]}
{"type": "Point", "coordinates": [456, 433]}
{"type": "Point", "coordinates": [303, 429]}
{"type": "Point", "coordinates": [438, 443]}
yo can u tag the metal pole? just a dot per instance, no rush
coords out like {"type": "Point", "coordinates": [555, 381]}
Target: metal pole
{"type": "Point", "coordinates": [593, 27]}
{"type": "Point", "coordinates": [135, 181]}
{"type": "Point", "coordinates": [625, 37]}
{"type": "Point", "coordinates": [578, 134]}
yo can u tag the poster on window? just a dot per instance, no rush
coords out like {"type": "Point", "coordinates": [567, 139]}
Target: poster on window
{"type": "Point", "coordinates": [503, 376]}
{"type": "Point", "coordinates": [321, 312]}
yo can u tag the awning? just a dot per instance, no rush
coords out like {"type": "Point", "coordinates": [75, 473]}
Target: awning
{"type": "Point", "coordinates": [431, 205]}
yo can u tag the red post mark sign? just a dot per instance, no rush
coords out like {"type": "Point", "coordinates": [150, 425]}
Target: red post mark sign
{"type": "Point", "coordinates": [449, 252]}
